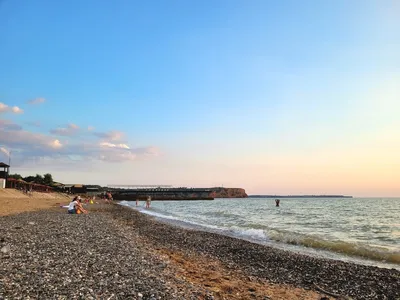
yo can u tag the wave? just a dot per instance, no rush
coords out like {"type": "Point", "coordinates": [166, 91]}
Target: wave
{"type": "Point", "coordinates": [345, 248]}
{"type": "Point", "coordinates": [222, 214]}
{"type": "Point", "coordinates": [265, 235]}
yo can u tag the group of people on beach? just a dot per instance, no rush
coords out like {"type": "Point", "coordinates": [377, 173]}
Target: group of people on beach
{"type": "Point", "coordinates": [148, 202]}
{"type": "Point", "coordinates": [75, 206]}
{"type": "Point", "coordinates": [107, 197]}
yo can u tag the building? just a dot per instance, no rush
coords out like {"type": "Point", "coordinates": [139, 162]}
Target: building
{"type": "Point", "coordinates": [74, 188]}
{"type": "Point", "coordinates": [4, 169]}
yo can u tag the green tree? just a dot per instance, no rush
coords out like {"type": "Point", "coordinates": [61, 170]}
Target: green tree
{"type": "Point", "coordinates": [15, 176]}
{"type": "Point", "coordinates": [29, 178]}
{"type": "Point", "coordinates": [39, 179]}
{"type": "Point", "coordinates": [48, 179]}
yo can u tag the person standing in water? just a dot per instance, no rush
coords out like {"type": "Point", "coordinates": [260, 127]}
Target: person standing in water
{"type": "Point", "coordinates": [148, 202]}
{"type": "Point", "coordinates": [277, 202]}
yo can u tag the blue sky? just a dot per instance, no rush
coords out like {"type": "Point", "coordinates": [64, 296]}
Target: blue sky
{"type": "Point", "coordinates": [272, 96]}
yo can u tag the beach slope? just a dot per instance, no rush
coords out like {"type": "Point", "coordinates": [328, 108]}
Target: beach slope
{"type": "Point", "coordinates": [117, 253]}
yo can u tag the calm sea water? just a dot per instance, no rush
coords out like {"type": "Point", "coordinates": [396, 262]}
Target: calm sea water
{"type": "Point", "coordinates": [362, 230]}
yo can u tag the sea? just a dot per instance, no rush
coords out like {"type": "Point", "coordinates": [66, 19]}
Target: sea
{"type": "Point", "coordinates": [360, 230]}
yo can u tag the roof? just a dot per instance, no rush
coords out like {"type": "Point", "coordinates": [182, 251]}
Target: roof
{"type": "Point", "coordinates": [3, 165]}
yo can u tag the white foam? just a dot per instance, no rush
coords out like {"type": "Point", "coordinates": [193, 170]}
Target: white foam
{"type": "Point", "coordinates": [257, 234]}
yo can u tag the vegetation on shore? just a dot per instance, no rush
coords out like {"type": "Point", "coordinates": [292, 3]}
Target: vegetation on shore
{"type": "Point", "coordinates": [46, 179]}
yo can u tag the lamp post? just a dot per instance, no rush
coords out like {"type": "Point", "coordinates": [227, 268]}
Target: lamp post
{"type": "Point", "coordinates": [9, 161]}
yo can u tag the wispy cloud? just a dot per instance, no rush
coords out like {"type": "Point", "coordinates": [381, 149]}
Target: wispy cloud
{"type": "Point", "coordinates": [111, 145]}
{"type": "Point", "coordinates": [35, 101]}
{"type": "Point", "coordinates": [14, 109]}
{"type": "Point", "coordinates": [34, 123]}
{"type": "Point", "coordinates": [70, 130]}
{"type": "Point", "coordinates": [91, 128]}
{"type": "Point", "coordinates": [113, 135]}
{"type": "Point", "coordinates": [5, 151]}
{"type": "Point", "coordinates": [31, 145]}
{"type": "Point", "coordinates": [8, 125]}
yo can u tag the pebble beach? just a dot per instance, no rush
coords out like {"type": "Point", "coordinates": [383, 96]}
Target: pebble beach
{"type": "Point", "coordinates": [117, 253]}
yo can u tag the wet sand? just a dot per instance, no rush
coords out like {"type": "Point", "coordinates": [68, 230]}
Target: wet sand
{"type": "Point", "coordinates": [119, 253]}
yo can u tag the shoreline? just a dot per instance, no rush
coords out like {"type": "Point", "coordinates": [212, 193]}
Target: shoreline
{"type": "Point", "coordinates": [129, 255]}
{"type": "Point", "coordinates": [272, 264]}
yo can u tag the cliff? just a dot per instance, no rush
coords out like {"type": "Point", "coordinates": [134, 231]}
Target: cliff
{"type": "Point", "coordinates": [180, 193]}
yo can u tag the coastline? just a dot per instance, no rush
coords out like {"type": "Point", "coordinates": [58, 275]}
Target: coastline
{"type": "Point", "coordinates": [131, 255]}
{"type": "Point", "coordinates": [274, 265]}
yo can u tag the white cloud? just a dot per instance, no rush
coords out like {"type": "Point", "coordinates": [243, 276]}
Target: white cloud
{"type": "Point", "coordinates": [36, 146]}
{"type": "Point", "coordinates": [6, 108]}
{"type": "Point", "coordinates": [111, 145]}
{"type": "Point", "coordinates": [91, 128]}
{"type": "Point", "coordinates": [17, 110]}
{"type": "Point", "coordinates": [26, 140]}
{"type": "Point", "coordinates": [3, 107]}
{"type": "Point", "coordinates": [70, 130]}
{"type": "Point", "coordinates": [39, 100]}
{"type": "Point", "coordinates": [33, 146]}
{"type": "Point", "coordinates": [55, 144]}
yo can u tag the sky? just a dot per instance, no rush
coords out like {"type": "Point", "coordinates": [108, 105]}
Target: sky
{"type": "Point", "coordinates": [276, 97]}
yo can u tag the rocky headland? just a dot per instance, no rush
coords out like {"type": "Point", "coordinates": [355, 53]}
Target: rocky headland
{"type": "Point", "coordinates": [180, 193]}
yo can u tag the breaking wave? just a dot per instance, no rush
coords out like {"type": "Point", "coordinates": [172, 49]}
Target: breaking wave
{"type": "Point", "coordinates": [345, 248]}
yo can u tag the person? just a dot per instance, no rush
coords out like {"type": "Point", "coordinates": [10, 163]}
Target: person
{"type": "Point", "coordinates": [79, 208]}
{"type": "Point", "coordinates": [72, 206]}
{"type": "Point", "coordinates": [137, 201]}
{"type": "Point", "coordinates": [75, 206]}
{"type": "Point", "coordinates": [148, 202]}
{"type": "Point", "coordinates": [277, 202]}
{"type": "Point", "coordinates": [109, 197]}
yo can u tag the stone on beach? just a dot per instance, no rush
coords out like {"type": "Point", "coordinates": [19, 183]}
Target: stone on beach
{"type": "Point", "coordinates": [117, 253]}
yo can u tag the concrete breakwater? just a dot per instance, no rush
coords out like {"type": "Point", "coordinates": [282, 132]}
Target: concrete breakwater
{"type": "Point", "coordinates": [178, 193]}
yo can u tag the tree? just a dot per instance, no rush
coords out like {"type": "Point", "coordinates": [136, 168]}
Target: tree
{"type": "Point", "coordinates": [48, 179]}
{"type": "Point", "coordinates": [38, 179]}
{"type": "Point", "coordinates": [29, 178]}
{"type": "Point", "coordinates": [15, 176]}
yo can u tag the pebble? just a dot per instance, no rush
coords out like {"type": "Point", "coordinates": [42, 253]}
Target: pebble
{"type": "Point", "coordinates": [77, 257]}
{"type": "Point", "coordinates": [101, 256]}
{"type": "Point", "coordinates": [275, 265]}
